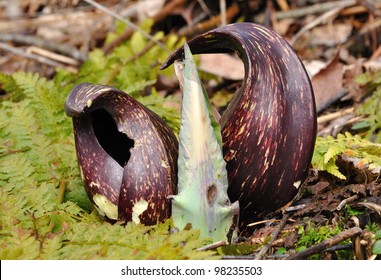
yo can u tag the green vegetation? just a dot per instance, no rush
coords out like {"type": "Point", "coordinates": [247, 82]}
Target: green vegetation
{"type": "Point", "coordinates": [377, 246]}
{"type": "Point", "coordinates": [314, 234]}
{"type": "Point", "coordinates": [328, 150]}
{"type": "Point", "coordinates": [45, 212]}
{"type": "Point", "coordinates": [371, 108]}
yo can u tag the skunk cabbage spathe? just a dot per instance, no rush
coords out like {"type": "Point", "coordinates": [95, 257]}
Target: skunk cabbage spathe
{"type": "Point", "coordinates": [127, 155]}
{"type": "Point", "coordinates": [269, 128]}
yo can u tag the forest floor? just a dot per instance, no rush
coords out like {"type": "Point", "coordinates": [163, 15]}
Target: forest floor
{"type": "Point", "coordinates": [331, 218]}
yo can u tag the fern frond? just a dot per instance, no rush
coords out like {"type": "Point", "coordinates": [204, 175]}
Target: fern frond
{"type": "Point", "coordinates": [50, 247]}
{"type": "Point", "coordinates": [16, 170]}
{"type": "Point", "coordinates": [21, 124]}
{"type": "Point", "coordinates": [362, 152]}
{"type": "Point", "coordinates": [8, 84]}
{"type": "Point", "coordinates": [47, 101]}
{"type": "Point", "coordinates": [138, 242]}
{"type": "Point", "coordinates": [20, 245]}
{"type": "Point", "coordinates": [27, 82]}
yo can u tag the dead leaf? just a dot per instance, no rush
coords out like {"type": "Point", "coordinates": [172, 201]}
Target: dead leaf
{"type": "Point", "coordinates": [318, 188]}
{"type": "Point", "coordinates": [358, 189]}
{"type": "Point", "coordinates": [291, 239]}
{"type": "Point", "coordinates": [282, 26]}
{"type": "Point", "coordinates": [355, 90]}
{"type": "Point", "coordinates": [311, 207]}
{"type": "Point", "coordinates": [222, 65]}
{"type": "Point", "coordinates": [331, 34]}
{"type": "Point", "coordinates": [328, 83]}
{"type": "Point", "coordinates": [374, 65]}
{"type": "Point", "coordinates": [260, 235]}
{"type": "Point", "coordinates": [148, 8]}
{"type": "Point", "coordinates": [314, 66]}
{"type": "Point", "coordinates": [374, 188]}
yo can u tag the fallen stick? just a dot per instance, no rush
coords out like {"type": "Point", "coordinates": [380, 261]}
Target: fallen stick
{"type": "Point", "coordinates": [45, 44]}
{"type": "Point", "coordinates": [38, 58]}
{"type": "Point", "coordinates": [373, 206]}
{"type": "Point", "coordinates": [346, 201]}
{"type": "Point", "coordinates": [348, 8]}
{"type": "Point", "coordinates": [335, 115]}
{"type": "Point", "coordinates": [326, 244]}
{"type": "Point", "coordinates": [62, 20]}
{"type": "Point", "coordinates": [52, 55]}
{"type": "Point", "coordinates": [273, 235]}
{"type": "Point", "coordinates": [231, 12]}
{"type": "Point", "coordinates": [321, 19]}
{"type": "Point", "coordinates": [212, 246]}
{"type": "Point", "coordinates": [295, 207]}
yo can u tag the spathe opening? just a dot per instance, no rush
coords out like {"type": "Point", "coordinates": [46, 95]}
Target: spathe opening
{"type": "Point", "coordinates": [115, 143]}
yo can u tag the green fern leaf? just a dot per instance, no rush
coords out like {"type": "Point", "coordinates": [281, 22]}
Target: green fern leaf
{"type": "Point", "coordinates": [360, 151]}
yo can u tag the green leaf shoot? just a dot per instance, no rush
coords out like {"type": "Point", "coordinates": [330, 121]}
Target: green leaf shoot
{"type": "Point", "coordinates": [202, 200]}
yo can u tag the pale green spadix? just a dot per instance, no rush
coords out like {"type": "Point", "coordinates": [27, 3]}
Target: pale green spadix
{"type": "Point", "coordinates": [202, 200]}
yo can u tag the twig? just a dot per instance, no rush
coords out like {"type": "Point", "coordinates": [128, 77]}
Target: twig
{"type": "Point", "coordinates": [313, 9]}
{"type": "Point", "coordinates": [223, 12]}
{"type": "Point", "coordinates": [112, 45]}
{"type": "Point", "coordinates": [368, 28]}
{"type": "Point", "coordinates": [283, 5]}
{"type": "Point", "coordinates": [38, 42]}
{"type": "Point", "coordinates": [203, 6]}
{"type": "Point", "coordinates": [373, 206]}
{"type": "Point", "coordinates": [209, 24]}
{"type": "Point", "coordinates": [52, 55]}
{"type": "Point", "coordinates": [262, 222]}
{"type": "Point", "coordinates": [326, 244]}
{"type": "Point", "coordinates": [142, 52]}
{"type": "Point", "coordinates": [73, 17]}
{"type": "Point", "coordinates": [376, 54]}
{"type": "Point", "coordinates": [346, 201]}
{"type": "Point", "coordinates": [277, 256]}
{"type": "Point", "coordinates": [334, 115]}
{"type": "Point", "coordinates": [274, 235]}
{"type": "Point", "coordinates": [295, 207]}
{"type": "Point", "coordinates": [38, 58]}
{"type": "Point", "coordinates": [359, 9]}
{"type": "Point", "coordinates": [238, 257]}
{"type": "Point", "coordinates": [371, 7]}
{"type": "Point", "coordinates": [339, 247]}
{"type": "Point", "coordinates": [129, 23]}
{"type": "Point", "coordinates": [321, 19]}
{"type": "Point", "coordinates": [212, 246]}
